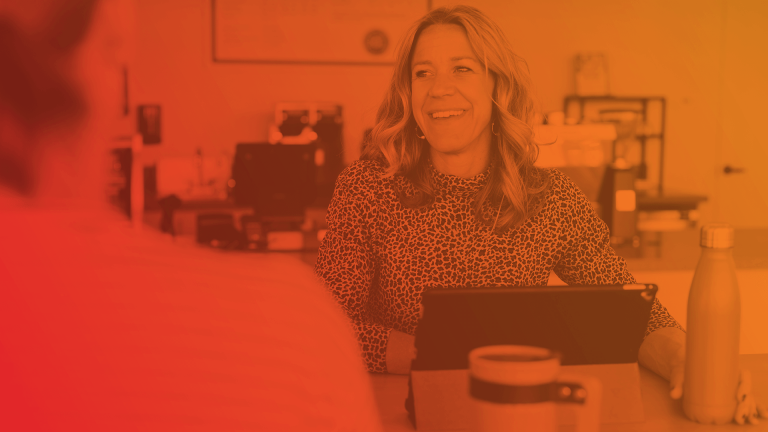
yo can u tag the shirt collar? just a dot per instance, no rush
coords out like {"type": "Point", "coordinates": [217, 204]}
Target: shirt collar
{"type": "Point", "coordinates": [456, 184]}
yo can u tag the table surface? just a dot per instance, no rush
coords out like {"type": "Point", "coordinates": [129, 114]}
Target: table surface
{"type": "Point", "coordinates": [661, 412]}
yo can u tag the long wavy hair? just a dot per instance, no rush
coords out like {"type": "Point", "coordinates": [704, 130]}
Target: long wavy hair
{"type": "Point", "coordinates": [514, 181]}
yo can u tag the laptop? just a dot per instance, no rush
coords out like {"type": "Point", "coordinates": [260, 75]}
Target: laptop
{"type": "Point", "coordinates": [597, 330]}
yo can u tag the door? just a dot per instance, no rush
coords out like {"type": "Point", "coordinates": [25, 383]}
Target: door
{"type": "Point", "coordinates": [741, 196]}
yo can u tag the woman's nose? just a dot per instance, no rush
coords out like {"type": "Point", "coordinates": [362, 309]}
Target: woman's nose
{"type": "Point", "coordinates": [442, 86]}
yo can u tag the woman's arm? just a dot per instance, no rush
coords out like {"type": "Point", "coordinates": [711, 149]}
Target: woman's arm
{"type": "Point", "coordinates": [346, 267]}
{"type": "Point", "coordinates": [346, 261]}
{"type": "Point", "coordinates": [663, 351]}
{"type": "Point", "coordinates": [587, 256]}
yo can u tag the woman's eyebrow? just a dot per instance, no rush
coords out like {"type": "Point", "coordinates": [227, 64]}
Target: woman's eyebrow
{"type": "Point", "coordinates": [464, 58]}
{"type": "Point", "coordinates": [453, 59]}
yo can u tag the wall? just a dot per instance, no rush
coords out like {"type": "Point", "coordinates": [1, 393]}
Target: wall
{"type": "Point", "coordinates": [213, 106]}
{"type": "Point", "coordinates": [673, 49]}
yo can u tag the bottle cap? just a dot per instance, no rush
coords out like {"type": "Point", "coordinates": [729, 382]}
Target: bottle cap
{"type": "Point", "coordinates": [717, 235]}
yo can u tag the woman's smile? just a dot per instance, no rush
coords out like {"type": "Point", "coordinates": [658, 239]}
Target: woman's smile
{"type": "Point", "coordinates": [447, 114]}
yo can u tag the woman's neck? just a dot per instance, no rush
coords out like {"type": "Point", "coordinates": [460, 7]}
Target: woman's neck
{"type": "Point", "coordinates": [466, 164]}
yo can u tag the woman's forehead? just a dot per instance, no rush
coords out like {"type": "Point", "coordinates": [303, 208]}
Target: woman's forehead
{"type": "Point", "coordinates": [442, 42]}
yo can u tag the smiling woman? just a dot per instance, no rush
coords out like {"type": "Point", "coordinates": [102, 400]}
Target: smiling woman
{"type": "Point", "coordinates": [446, 195]}
{"type": "Point", "coordinates": [452, 94]}
{"type": "Point", "coordinates": [459, 60]}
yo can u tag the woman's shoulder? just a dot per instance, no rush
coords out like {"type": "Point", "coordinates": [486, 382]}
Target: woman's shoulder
{"type": "Point", "coordinates": [559, 182]}
{"type": "Point", "coordinates": [364, 169]}
{"type": "Point", "coordinates": [563, 194]}
{"type": "Point", "coordinates": [361, 176]}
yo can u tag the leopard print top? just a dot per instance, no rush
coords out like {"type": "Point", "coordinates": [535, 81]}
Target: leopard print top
{"type": "Point", "coordinates": [378, 256]}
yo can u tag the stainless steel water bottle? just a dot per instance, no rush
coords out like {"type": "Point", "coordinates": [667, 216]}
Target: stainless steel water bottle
{"type": "Point", "coordinates": [712, 342]}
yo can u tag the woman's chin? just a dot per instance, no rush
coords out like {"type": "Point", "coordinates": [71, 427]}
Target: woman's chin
{"type": "Point", "coordinates": [449, 146]}
{"type": "Point", "coordinates": [446, 149]}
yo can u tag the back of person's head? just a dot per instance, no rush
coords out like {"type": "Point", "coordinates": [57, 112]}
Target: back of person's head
{"type": "Point", "coordinates": [105, 330]}
{"type": "Point", "coordinates": [55, 85]}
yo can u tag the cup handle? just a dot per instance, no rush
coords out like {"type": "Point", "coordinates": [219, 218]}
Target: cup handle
{"type": "Point", "coordinates": [586, 391]}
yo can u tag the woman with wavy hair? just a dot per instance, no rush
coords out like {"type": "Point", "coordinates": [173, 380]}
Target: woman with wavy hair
{"type": "Point", "coordinates": [447, 195]}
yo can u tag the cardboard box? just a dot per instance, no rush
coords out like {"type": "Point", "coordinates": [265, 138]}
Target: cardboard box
{"type": "Point", "coordinates": [441, 397]}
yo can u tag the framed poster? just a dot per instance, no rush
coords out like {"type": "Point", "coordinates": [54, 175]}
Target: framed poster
{"type": "Point", "coordinates": [342, 32]}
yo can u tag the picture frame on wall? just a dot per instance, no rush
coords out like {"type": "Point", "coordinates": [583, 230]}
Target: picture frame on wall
{"type": "Point", "coordinates": [149, 123]}
{"type": "Point", "coordinates": [334, 32]}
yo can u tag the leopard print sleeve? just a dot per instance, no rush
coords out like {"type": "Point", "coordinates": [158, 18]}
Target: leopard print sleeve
{"type": "Point", "coordinates": [587, 257]}
{"type": "Point", "coordinates": [346, 262]}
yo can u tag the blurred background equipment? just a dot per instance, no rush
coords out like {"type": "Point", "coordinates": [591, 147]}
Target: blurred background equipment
{"type": "Point", "coordinates": [218, 230]}
{"type": "Point", "coordinates": [253, 231]}
{"type": "Point", "coordinates": [580, 151]}
{"type": "Point", "coordinates": [640, 124]}
{"type": "Point", "coordinates": [636, 164]}
{"type": "Point", "coordinates": [197, 177]}
{"type": "Point", "coordinates": [319, 124]}
{"type": "Point", "coordinates": [277, 180]}
{"type": "Point", "coordinates": [618, 202]}
{"type": "Point", "coordinates": [119, 179]}
{"type": "Point", "coordinates": [149, 123]}
{"type": "Point", "coordinates": [168, 205]}
{"type": "Point", "coordinates": [125, 185]}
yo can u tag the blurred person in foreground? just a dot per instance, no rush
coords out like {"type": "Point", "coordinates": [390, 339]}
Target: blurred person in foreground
{"type": "Point", "coordinates": [446, 194]}
{"type": "Point", "coordinates": [102, 329]}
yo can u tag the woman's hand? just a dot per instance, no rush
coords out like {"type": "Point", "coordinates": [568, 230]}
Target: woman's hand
{"type": "Point", "coordinates": [401, 350]}
{"type": "Point", "coordinates": [677, 374]}
{"type": "Point", "coordinates": [663, 352]}
{"type": "Point", "coordinates": [747, 408]}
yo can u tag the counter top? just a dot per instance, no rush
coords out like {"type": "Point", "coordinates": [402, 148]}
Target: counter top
{"type": "Point", "coordinates": [679, 250]}
{"type": "Point", "coordinates": [661, 412]}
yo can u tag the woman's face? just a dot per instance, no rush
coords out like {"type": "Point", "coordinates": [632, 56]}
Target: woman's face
{"type": "Point", "coordinates": [451, 94]}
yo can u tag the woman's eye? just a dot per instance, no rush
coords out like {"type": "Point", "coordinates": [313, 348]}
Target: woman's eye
{"type": "Point", "coordinates": [420, 73]}
{"type": "Point", "coordinates": [463, 69]}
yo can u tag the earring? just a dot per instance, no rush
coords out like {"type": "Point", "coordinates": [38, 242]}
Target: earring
{"type": "Point", "coordinates": [493, 131]}
{"type": "Point", "coordinates": [422, 136]}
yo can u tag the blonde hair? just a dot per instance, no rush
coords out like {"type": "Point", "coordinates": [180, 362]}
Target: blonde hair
{"type": "Point", "coordinates": [514, 181]}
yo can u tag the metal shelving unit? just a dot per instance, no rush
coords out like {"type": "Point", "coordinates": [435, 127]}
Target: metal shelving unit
{"type": "Point", "coordinates": [640, 105]}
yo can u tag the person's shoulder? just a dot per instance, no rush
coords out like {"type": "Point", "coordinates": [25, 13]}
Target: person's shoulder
{"type": "Point", "coordinates": [556, 177]}
{"type": "Point", "coordinates": [560, 185]}
{"type": "Point", "coordinates": [362, 173]}
{"type": "Point", "coordinates": [563, 195]}
{"type": "Point", "coordinates": [365, 168]}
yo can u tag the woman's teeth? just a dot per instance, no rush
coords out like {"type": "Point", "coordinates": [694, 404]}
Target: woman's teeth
{"type": "Point", "coordinates": [442, 114]}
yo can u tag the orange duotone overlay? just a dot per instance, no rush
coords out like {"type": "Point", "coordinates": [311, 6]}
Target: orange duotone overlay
{"type": "Point", "coordinates": [104, 328]}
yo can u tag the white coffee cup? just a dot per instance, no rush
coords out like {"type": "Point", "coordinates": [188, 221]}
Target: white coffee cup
{"type": "Point", "coordinates": [516, 388]}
